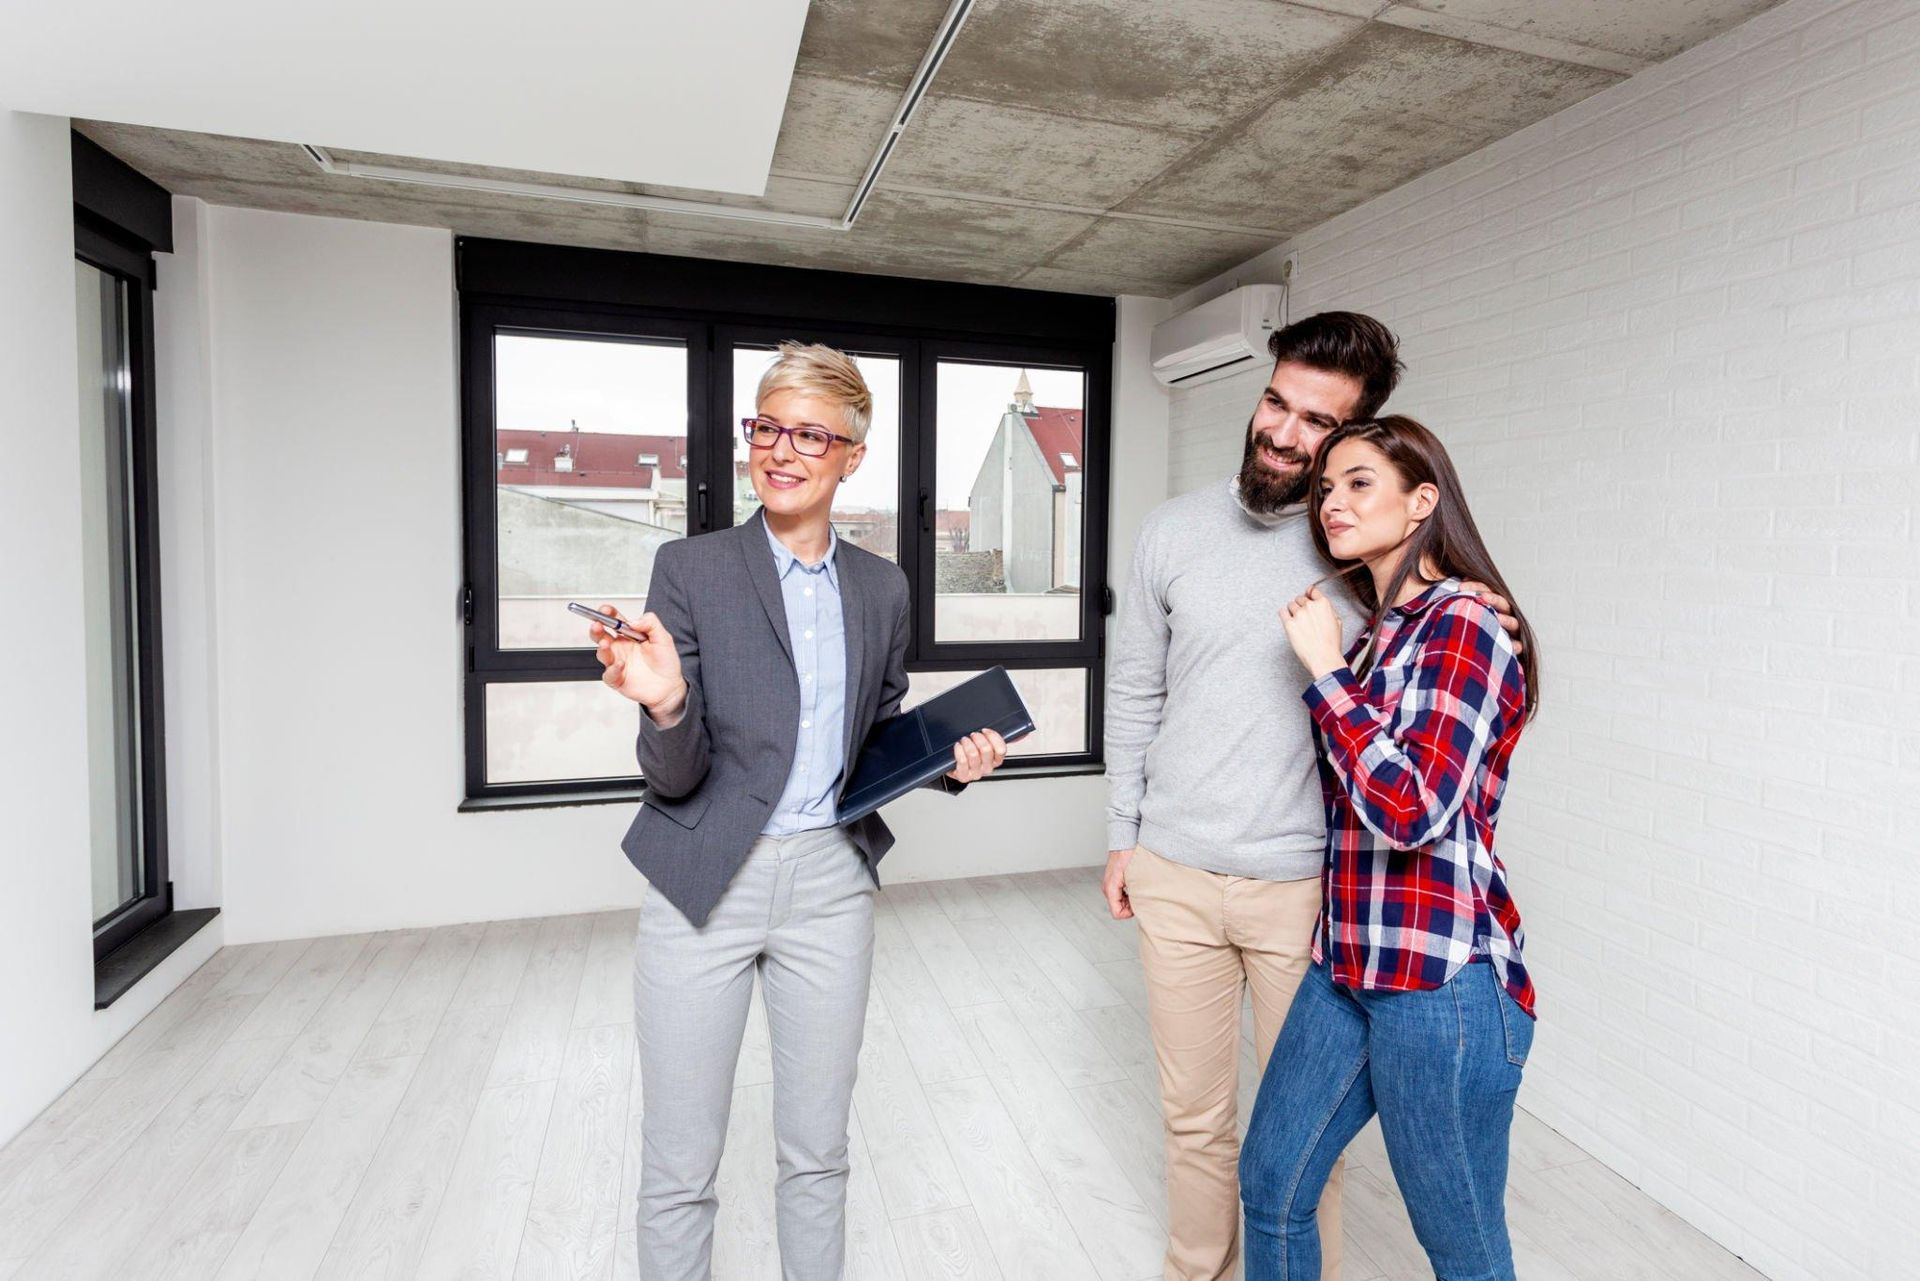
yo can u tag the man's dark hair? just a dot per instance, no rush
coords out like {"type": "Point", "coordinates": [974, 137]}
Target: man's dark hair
{"type": "Point", "coordinates": [1345, 342]}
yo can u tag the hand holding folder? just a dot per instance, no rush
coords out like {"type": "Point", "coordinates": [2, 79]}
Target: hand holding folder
{"type": "Point", "coordinates": [914, 748]}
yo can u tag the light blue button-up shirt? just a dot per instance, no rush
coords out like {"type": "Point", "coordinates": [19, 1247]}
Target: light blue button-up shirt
{"type": "Point", "coordinates": [817, 628]}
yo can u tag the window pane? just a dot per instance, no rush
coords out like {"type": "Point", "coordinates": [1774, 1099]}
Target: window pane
{"type": "Point", "coordinates": [112, 635]}
{"type": "Point", "coordinates": [554, 731]}
{"type": "Point", "coordinates": [1008, 512]}
{"type": "Point", "coordinates": [591, 461]}
{"type": "Point", "coordinates": [867, 511]}
{"type": "Point", "coordinates": [1057, 697]}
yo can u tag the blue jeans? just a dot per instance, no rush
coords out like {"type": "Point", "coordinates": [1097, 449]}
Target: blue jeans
{"type": "Point", "coordinates": [1441, 1068]}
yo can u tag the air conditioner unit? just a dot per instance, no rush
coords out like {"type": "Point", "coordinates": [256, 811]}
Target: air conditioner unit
{"type": "Point", "coordinates": [1218, 338]}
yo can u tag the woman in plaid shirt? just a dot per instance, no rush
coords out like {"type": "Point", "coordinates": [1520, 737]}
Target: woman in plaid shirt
{"type": "Point", "coordinates": [1418, 1006]}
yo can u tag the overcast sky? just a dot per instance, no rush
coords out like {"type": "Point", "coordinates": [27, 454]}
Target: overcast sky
{"type": "Point", "coordinates": [546, 384]}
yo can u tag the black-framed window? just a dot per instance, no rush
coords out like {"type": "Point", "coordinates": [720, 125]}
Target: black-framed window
{"type": "Point", "coordinates": [601, 396]}
{"type": "Point", "coordinates": [120, 220]}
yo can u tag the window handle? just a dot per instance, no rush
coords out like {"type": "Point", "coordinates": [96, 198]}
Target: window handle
{"type": "Point", "coordinates": [926, 512]}
{"type": "Point", "coordinates": [701, 514]}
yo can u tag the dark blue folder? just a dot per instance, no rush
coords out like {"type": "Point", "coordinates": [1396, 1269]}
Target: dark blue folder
{"type": "Point", "coordinates": [914, 748]}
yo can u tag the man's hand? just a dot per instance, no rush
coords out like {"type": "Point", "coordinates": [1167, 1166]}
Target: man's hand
{"type": "Point", "coordinates": [977, 755]}
{"type": "Point", "coordinates": [646, 670]}
{"type": "Point", "coordinates": [1114, 884]}
{"type": "Point", "coordinates": [1314, 630]}
{"type": "Point", "coordinates": [1500, 605]}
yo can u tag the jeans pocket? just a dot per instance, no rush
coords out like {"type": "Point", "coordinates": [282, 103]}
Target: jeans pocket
{"type": "Point", "coordinates": [1516, 1024]}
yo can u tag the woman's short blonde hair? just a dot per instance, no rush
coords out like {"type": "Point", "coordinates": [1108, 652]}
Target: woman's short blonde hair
{"type": "Point", "coordinates": [818, 370]}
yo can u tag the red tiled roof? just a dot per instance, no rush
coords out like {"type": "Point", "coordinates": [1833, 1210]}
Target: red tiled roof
{"type": "Point", "coordinates": [1057, 432]}
{"type": "Point", "coordinates": [601, 460]}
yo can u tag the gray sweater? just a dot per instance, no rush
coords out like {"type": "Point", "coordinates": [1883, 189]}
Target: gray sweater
{"type": "Point", "coordinates": [1210, 754]}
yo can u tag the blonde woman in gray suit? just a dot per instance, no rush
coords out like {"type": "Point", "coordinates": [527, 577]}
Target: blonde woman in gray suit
{"type": "Point", "coordinates": [768, 651]}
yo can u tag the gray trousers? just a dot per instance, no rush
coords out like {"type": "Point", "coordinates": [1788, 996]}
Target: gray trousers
{"type": "Point", "coordinates": [800, 912]}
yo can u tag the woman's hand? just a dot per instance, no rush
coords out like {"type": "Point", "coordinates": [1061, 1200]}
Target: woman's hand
{"type": "Point", "coordinates": [977, 755]}
{"type": "Point", "coordinates": [646, 670]}
{"type": "Point", "coordinates": [1314, 630]}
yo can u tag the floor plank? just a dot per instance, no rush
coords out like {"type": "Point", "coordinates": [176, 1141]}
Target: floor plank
{"type": "Point", "coordinates": [290, 1005]}
{"type": "Point", "coordinates": [961, 900]}
{"type": "Point", "coordinates": [926, 1023]}
{"type": "Point", "coordinates": [197, 1230]}
{"type": "Point", "coordinates": [49, 1186]}
{"type": "Point", "coordinates": [947, 1245]}
{"type": "Point", "coordinates": [307, 1073]}
{"type": "Point", "coordinates": [288, 1235]}
{"type": "Point", "coordinates": [949, 961]}
{"type": "Point", "coordinates": [102, 1231]}
{"type": "Point", "coordinates": [1069, 1044]}
{"type": "Point", "coordinates": [573, 1218]}
{"type": "Point", "coordinates": [1123, 1029]}
{"type": "Point", "coordinates": [493, 976]}
{"type": "Point", "coordinates": [606, 982]}
{"type": "Point", "coordinates": [1031, 1237]}
{"type": "Point", "coordinates": [406, 1024]}
{"type": "Point", "coordinates": [535, 1038]}
{"type": "Point", "coordinates": [385, 1227]}
{"type": "Point", "coordinates": [484, 1212]}
{"type": "Point", "coordinates": [916, 1173]}
{"type": "Point", "coordinates": [1135, 1135]}
{"type": "Point", "coordinates": [261, 968]}
{"type": "Point", "coordinates": [1080, 985]}
{"type": "Point", "coordinates": [872, 1253]}
{"type": "Point", "coordinates": [1116, 1229]}
{"type": "Point", "coordinates": [1078, 910]}
{"type": "Point", "coordinates": [50, 1127]}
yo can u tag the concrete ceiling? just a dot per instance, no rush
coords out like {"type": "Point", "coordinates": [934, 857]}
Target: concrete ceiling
{"type": "Point", "coordinates": [1103, 146]}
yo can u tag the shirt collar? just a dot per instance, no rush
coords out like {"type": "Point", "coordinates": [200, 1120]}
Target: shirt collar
{"type": "Point", "coordinates": [1272, 520]}
{"type": "Point", "coordinates": [1418, 605]}
{"type": "Point", "coordinates": [784, 560]}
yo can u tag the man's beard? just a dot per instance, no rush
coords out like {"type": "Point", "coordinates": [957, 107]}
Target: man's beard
{"type": "Point", "coordinates": [1265, 491]}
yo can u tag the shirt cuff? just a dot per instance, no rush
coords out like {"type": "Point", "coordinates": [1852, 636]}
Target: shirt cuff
{"type": "Point", "coordinates": [1333, 697]}
{"type": "Point", "coordinates": [1122, 834]}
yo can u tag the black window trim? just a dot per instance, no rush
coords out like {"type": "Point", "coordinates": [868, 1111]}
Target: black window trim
{"type": "Point", "coordinates": [506, 286]}
{"type": "Point", "coordinates": [121, 218]}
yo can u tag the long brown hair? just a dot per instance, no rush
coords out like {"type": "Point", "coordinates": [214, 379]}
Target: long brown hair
{"type": "Point", "coordinates": [1447, 538]}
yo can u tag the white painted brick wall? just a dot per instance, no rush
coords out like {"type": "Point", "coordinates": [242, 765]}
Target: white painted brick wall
{"type": "Point", "coordinates": [1672, 337]}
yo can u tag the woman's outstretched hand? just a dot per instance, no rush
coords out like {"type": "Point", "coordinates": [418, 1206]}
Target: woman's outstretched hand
{"type": "Point", "coordinates": [646, 670]}
{"type": "Point", "coordinates": [1313, 628]}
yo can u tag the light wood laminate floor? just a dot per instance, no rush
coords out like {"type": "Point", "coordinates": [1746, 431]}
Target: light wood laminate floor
{"type": "Point", "coordinates": [464, 1102]}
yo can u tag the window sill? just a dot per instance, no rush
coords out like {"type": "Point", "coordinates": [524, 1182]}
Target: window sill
{"type": "Point", "coordinates": [559, 799]}
{"type": "Point", "coordinates": [115, 973]}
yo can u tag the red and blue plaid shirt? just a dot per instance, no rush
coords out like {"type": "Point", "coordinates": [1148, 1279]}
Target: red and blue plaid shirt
{"type": "Point", "coordinates": [1413, 764]}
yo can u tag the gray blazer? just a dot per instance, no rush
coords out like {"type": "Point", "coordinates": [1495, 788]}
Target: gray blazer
{"type": "Point", "coordinates": [714, 778]}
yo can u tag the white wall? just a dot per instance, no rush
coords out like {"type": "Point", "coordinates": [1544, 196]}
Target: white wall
{"type": "Point", "coordinates": [183, 371]}
{"type": "Point", "coordinates": [1672, 337]}
{"type": "Point", "coordinates": [51, 1030]}
{"type": "Point", "coordinates": [332, 488]}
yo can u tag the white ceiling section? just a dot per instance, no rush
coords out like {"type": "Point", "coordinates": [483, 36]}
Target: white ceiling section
{"type": "Point", "coordinates": [655, 91]}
